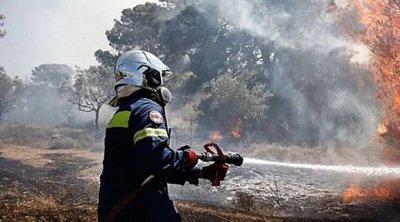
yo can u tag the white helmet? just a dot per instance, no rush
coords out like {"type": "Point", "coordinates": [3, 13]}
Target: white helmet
{"type": "Point", "coordinates": [137, 69]}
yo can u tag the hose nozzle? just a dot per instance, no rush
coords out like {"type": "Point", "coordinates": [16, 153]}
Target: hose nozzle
{"type": "Point", "coordinates": [231, 158]}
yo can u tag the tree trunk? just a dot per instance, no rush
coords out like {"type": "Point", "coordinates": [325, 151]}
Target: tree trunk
{"type": "Point", "coordinates": [1, 113]}
{"type": "Point", "coordinates": [191, 131]}
{"type": "Point", "coordinates": [96, 120]}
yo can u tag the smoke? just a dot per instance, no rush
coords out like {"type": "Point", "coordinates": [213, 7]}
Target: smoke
{"type": "Point", "coordinates": [290, 24]}
{"type": "Point", "coordinates": [322, 93]}
{"type": "Point", "coordinates": [315, 69]}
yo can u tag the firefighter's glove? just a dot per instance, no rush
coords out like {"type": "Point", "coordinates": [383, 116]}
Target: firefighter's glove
{"type": "Point", "coordinates": [214, 172]}
{"type": "Point", "coordinates": [189, 157]}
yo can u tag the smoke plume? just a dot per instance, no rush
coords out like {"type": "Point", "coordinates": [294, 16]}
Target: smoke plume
{"type": "Point", "coordinates": [328, 96]}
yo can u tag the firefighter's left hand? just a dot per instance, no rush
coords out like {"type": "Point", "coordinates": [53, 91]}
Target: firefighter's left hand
{"type": "Point", "coordinates": [190, 157]}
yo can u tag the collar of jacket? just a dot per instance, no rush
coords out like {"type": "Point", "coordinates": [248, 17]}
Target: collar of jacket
{"type": "Point", "coordinates": [142, 93]}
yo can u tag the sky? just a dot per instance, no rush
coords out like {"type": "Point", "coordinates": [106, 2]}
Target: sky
{"type": "Point", "coordinates": [56, 31]}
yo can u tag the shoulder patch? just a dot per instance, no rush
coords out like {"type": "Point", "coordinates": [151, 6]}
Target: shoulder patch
{"type": "Point", "coordinates": [156, 117]}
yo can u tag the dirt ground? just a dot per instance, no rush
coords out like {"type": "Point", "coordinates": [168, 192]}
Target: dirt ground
{"type": "Point", "coordinates": [42, 184]}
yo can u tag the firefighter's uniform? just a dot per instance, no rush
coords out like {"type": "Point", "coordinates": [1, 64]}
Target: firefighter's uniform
{"type": "Point", "coordinates": [136, 146]}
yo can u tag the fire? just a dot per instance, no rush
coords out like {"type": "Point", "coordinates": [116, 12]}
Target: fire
{"type": "Point", "coordinates": [354, 193]}
{"type": "Point", "coordinates": [384, 191]}
{"type": "Point", "coordinates": [236, 133]}
{"type": "Point", "coordinates": [215, 136]}
{"type": "Point", "coordinates": [381, 33]}
{"type": "Point", "coordinates": [382, 129]}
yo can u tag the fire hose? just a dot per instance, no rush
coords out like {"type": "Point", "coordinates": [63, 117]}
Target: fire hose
{"type": "Point", "coordinates": [213, 154]}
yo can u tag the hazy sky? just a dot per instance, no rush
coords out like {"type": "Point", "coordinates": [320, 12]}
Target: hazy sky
{"type": "Point", "coordinates": [56, 31]}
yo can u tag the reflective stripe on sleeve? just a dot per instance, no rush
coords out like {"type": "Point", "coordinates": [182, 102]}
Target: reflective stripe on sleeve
{"type": "Point", "coordinates": [120, 119]}
{"type": "Point", "coordinates": [149, 132]}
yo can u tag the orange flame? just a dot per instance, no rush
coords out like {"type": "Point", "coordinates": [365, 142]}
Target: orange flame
{"type": "Point", "coordinates": [381, 33]}
{"type": "Point", "coordinates": [215, 136]}
{"type": "Point", "coordinates": [236, 133]}
{"type": "Point", "coordinates": [382, 129]}
{"type": "Point", "coordinates": [355, 193]}
{"type": "Point", "coordinates": [386, 190]}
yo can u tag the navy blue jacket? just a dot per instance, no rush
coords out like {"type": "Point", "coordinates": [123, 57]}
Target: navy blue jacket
{"type": "Point", "coordinates": [136, 146]}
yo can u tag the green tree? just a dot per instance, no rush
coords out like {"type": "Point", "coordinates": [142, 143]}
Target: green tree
{"type": "Point", "coordinates": [208, 45]}
{"type": "Point", "coordinates": [238, 101]}
{"type": "Point", "coordinates": [41, 102]}
{"type": "Point", "coordinates": [51, 75]}
{"type": "Point", "coordinates": [139, 27]}
{"type": "Point", "coordinates": [91, 89]}
{"type": "Point", "coordinates": [191, 115]}
{"type": "Point", "coordinates": [10, 89]}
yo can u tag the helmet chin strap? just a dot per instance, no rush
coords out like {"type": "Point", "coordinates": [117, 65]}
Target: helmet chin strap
{"type": "Point", "coordinates": [165, 96]}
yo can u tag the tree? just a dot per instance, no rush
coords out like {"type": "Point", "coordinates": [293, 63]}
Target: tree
{"type": "Point", "coordinates": [91, 89]}
{"type": "Point", "coordinates": [41, 102]}
{"type": "Point", "coordinates": [291, 46]}
{"type": "Point", "coordinates": [51, 75]}
{"type": "Point", "coordinates": [2, 32]}
{"type": "Point", "coordinates": [106, 58]}
{"type": "Point", "coordinates": [247, 96]}
{"type": "Point", "coordinates": [191, 114]}
{"type": "Point", "coordinates": [209, 45]}
{"type": "Point", "coordinates": [10, 89]}
{"type": "Point", "coordinates": [139, 27]}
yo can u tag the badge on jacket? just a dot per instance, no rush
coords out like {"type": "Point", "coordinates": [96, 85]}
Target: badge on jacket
{"type": "Point", "coordinates": [156, 117]}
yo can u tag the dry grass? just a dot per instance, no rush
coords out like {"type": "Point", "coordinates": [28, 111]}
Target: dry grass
{"type": "Point", "coordinates": [39, 157]}
{"type": "Point", "coordinates": [22, 134]}
{"type": "Point", "coordinates": [43, 208]}
{"type": "Point", "coordinates": [54, 138]}
{"type": "Point", "coordinates": [41, 199]}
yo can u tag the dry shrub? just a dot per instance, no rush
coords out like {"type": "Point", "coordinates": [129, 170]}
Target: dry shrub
{"type": "Point", "coordinates": [92, 190]}
{"type": "Point", "coordinates": [43, 208]}
{"type": "Point", "coordinates": [244, 201]}
{"type": "Point", "coordinates": [37, 203]}
{"type": "Point", "coordinates": [64, 138]}
{"type": "Point", "coordinates": [62, 142]}
{"type": "Point", "coordinates": [56, 138]}
{"type": "Point", "coordinates": [24, 134]}
{"type": "Point", "coordinates": [69, 132]}
{"type": "Point", "coordinates": [66, 195]}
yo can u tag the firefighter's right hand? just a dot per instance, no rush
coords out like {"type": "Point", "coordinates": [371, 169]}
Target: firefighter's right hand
{"type": "Point", "coordinates": [214, 172]}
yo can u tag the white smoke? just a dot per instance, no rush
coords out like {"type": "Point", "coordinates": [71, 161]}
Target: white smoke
{"type": "Point", "coordinates": [347, 112]}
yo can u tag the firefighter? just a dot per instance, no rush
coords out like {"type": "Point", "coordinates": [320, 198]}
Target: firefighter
{"type": "Point", "coordinates": [137, 144]}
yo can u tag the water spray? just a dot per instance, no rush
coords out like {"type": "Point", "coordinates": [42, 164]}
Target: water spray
{"type": "Point", "coordinates": [345, 169]}
{"type": "Point", "coordinates": [214, 154]}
